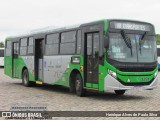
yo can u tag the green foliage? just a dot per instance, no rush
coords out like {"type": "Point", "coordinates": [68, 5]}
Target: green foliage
{"type": "Point", "coordinates": [158, 39]}
{"type": "Point", "coordinates": [1, 44]}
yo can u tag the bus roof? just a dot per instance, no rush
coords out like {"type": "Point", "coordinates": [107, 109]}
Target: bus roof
{"type": "Point", "coordinates": [54, 29]}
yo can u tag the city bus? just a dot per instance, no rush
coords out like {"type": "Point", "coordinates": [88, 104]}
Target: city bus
{"type": "Point", "coordinates": [105, 55]}
{"type": "Point", "coordinates": [1, 57]}
{"type": "Point", "coordinates": [158, 55]}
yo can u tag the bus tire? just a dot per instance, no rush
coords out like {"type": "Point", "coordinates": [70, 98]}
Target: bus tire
{"type": "Point", "coordinates": [80, 91]}
{"type": "Point", "coordinates": [120, 92]}
{"type": "Point", "coordinates": [72, 88]}
{"type": "Point", "coordinates": [25, 79]}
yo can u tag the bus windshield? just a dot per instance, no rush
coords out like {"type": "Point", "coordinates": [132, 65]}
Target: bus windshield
{"type": "Point", "coordinates": [141, 50]}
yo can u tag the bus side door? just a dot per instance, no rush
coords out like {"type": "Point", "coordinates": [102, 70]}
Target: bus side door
{"type": "Point", "coordinates": [39, 59]}
{"type": "Point", "coordinates": [92, 57]}
{"type": "Point", "coordinates": [15, 59]}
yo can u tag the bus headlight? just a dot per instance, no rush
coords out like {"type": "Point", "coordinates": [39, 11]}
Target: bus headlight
{"type": "Point", "coordinates": [112, 73]}
{"type": "Point", "coordinates": [156, 73]}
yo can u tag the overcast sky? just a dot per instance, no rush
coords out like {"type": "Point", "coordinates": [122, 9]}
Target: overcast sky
{"type": "Point", "coordinates": [19, 16]}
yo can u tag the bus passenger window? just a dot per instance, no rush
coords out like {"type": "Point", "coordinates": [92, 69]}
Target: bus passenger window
{"type": "Point", "coordinates": [68, 43]}
{"type": "Point", "coordinates": [52, 44]}
{"type": "Point", "coordinates": [23, 48]}
{"type": "Point", "coordinates": [30, 45]}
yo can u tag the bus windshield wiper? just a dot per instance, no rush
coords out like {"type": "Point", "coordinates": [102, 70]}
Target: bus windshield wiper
{"type": "Point", "coordinates": [145, 33]}
{"type": "Point", "coordinates": [126, 40]}
{"type": "Point", "coordinates": [142, 40]}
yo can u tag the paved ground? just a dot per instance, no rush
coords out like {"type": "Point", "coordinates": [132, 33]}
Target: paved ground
{"type": "Point", "coordinates": [13, 93]}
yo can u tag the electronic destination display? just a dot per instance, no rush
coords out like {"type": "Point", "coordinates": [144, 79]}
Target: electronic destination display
{"type": "Point", "coordinates": [131, 26]}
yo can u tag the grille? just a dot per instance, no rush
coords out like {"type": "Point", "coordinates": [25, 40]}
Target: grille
{"type": "Point", "coordinates": [136, 69]}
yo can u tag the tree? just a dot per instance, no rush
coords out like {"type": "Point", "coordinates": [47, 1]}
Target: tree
{"type": "Point", "coordinates": [1, 44]}
{"type": "Point", "coordinates": [158, 39]}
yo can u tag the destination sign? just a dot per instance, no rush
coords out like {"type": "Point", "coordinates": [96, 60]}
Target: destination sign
{"type": "Point", "coordinates": [130, 26]}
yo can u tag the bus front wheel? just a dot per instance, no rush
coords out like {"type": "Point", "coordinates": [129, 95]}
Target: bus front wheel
{"type": "Point", "coordinates": [120, 92]}
{"type": "Point", "coordinates": [25, 79]}
{"type": "Point", "coordinates": [80, 91]}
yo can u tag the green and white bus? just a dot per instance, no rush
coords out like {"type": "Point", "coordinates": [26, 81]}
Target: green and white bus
{"type": "Point", "coordinates": [104, 55]}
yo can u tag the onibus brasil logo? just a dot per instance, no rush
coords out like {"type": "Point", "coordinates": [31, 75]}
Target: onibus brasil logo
{"type": "Point", "coordinates": [19, 114]}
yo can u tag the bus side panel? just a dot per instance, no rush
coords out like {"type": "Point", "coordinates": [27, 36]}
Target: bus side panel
{"type": "Point", "coordinates": [8, 65]}
{"type": "Point", "coordinates": [55, 69]}
{"type": "Point", "coordinates": [51, 69]}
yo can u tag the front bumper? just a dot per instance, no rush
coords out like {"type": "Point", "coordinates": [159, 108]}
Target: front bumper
{"type": "Point", "coordinates": [113, 84]}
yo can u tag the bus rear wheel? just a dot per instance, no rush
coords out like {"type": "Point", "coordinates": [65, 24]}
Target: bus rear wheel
{"type": "Point", "coordinates": [120, 92]}
{"type": "Point", "coordinates": [80, 91]}
{"type": "Point", "coordinates": [25, 79]}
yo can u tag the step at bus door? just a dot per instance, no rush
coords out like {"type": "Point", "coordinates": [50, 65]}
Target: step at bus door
{"type": "Point", "coordinates": [92, 57]}
{"type": "Point", "coordinates": [15, 59]}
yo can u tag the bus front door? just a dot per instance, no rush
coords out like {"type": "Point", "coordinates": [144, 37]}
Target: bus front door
{"type": "Point", "coordinates": [92, 58]}
{"type": "Point", "coordinates": [15, 59]}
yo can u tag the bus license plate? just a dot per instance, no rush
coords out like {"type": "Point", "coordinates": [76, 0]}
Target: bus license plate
{"type": "Point", "coordinates": [137, 87]}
